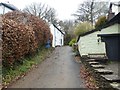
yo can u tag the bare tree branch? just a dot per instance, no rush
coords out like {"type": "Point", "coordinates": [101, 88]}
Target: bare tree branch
{"type": "Point", "coordinates": [42, 11]}
{"type": "Point", "coordinates": [89, 11]}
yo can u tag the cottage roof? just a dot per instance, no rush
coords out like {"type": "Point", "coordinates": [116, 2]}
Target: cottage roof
{"type": "Point", "coordinates": [89, 32]}
{"type": "Point", "coordinates": [115, 4]}
{"type": "Point", "coordinates": [109, 35]}
{"type": "Point", "coordinates": [114, 20]}
{"type": "Point", "coordinates": [58, 29]}
{"type": "Point", "coordinates": [10, 6]}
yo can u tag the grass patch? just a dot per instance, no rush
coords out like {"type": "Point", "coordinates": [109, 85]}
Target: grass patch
{"type": "Point", "coordinates": [11, 74]}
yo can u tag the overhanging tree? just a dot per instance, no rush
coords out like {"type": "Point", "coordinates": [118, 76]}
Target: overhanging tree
{"type": "Point", "coordinates": [68, 27]}
{"type": "Point", "coordinates": [91, 10]}
{"type": "Point", "coordinates": [83, 27]}
{"type": "Point", "coordinates": [42, 11]}
{"type": "Point", "coordinates": [101, 21]}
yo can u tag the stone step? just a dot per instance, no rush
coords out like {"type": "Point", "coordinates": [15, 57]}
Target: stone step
{"type": "Point", "coordinates": [93, 63]}
{"type": "Point", "coordinates": [97, 60]}
{"type": "Point", "coordinates": [115, 85]}
{"type": "Point", "coordinates": [97, 66]}
{"type": "Point", "coordinates": [112, 78]}
{"type": "Point", "coordinates": [104, 71]}
{"type": "Point", "coordinates": [97, 55]}
{"type": "Point", "coordinates": [90, 60]}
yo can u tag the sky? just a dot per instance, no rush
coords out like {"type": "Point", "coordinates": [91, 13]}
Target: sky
{"type": "Point", "coordinates": [64, 8]}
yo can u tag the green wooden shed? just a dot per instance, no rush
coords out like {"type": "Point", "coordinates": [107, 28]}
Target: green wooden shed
{"type": "Point", "coordinates": [110, 34]}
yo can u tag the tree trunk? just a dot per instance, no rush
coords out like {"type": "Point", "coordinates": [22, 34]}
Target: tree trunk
{"type": "Point", "coordinates": [91, 11]}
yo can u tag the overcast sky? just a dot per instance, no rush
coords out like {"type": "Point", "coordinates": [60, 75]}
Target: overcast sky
{"type": "Point", "coordinates": [64, 8]}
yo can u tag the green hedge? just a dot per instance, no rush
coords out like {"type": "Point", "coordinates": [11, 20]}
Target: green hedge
{"type": "Point", "coordinates": [22, 35]}
{"type": "Point", "coordinates": [72, 42]}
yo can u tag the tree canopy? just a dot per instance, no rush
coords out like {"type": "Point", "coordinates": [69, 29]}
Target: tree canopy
{"type": "Point", "coordinates": [101, 21]}
{"type": "Point", "coordinates": [90, 11]}
{"type": "Point", "coordinates": [42, 11]}
{"type": "Point", "coordinates": [83, 27]}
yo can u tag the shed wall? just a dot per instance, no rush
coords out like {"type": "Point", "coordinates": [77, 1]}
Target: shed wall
{"type": "Point", "coordinates": [89, 44]}
{"type": "Point", "coordinates": [111, 29]}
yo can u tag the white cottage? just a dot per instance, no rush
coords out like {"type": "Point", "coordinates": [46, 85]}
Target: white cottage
{"type": "Point", "coordinates": [90, 43]}
{"type": "Point", "coordinates": [114, 9]}
{"type": "Point", "coordinates": [110, 34]}
{"type": "Point", "coordinates": [6, 7]}
{"type": "Point", "coordinates": [58, 36]}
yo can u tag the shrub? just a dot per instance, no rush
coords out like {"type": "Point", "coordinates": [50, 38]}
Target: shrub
{"type": "Point", "coordinates": [67, 39]}
{"type": "Point", "coordinates": [72, 42]}
{"type": "Point", "coordinates": [101, 21]}
{"type": "Point", "coordinates": [40, 27]}
{"type": "Point", "coordinates": [18, 40]}
{"type": "Point", "coordinates": [83, 27]}
{"type": "Point", "coordinates": [22, 35]}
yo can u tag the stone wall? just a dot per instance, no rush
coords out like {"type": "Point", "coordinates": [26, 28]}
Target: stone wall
{"type": "Point", "coordinates": [101, 82]}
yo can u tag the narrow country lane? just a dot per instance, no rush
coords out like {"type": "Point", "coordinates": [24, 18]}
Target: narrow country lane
{"type": "Point", "coordinates": [58, 71]}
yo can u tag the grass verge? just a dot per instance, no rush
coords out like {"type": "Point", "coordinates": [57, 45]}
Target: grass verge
{"type": "Point", "coordinates": [11, 75]}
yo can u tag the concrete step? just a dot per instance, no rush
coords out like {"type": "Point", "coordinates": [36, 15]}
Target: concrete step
{"type": "Point", "coordinates": [104, 61]}
{"type": "Point", "coordinates": [90, 60]}
{"type": "Point", "coordinates": [104, 71]}
{"type": "Point", "coordinates": [112, 78]}
{"type": "Point", "coordinates": [93, 63]}
{"type": "Point", "coordinates": [115, 85]}
{"type": "Point", "coordinates": [97, 66]}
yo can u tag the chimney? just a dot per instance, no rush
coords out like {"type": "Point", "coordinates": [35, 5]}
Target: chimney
{"type": "Point", "coordinates": [110, 13]}
{"type": "Point", "coordinates": [110, 16]}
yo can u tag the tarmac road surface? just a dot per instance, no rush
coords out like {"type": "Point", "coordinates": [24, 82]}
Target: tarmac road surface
{"type": "Point", "coordinates": [59, 70]}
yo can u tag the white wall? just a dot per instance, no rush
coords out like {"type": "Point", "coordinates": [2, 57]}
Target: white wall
{"type": "Point", "coordinates": [52, 31]}
{"type": "Point", "coordinates": [4, 10]}
{"type": "Point", "coordinates": [58, 37]}
{"type": "Point", "coordinates": [115, 9]}
{"type": "Point", "coordinates": [62, 39]}
{"type": "Point", "coordinates": [111, 29]}
{"type": "Point", "coordinates": [89, 44]}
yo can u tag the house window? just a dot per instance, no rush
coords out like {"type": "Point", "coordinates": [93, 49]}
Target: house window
{"type": "Point", "coordinates": [61, 41]}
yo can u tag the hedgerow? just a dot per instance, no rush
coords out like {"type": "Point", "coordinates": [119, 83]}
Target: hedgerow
{"type": "Point", "coordinates": [22, 34]}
